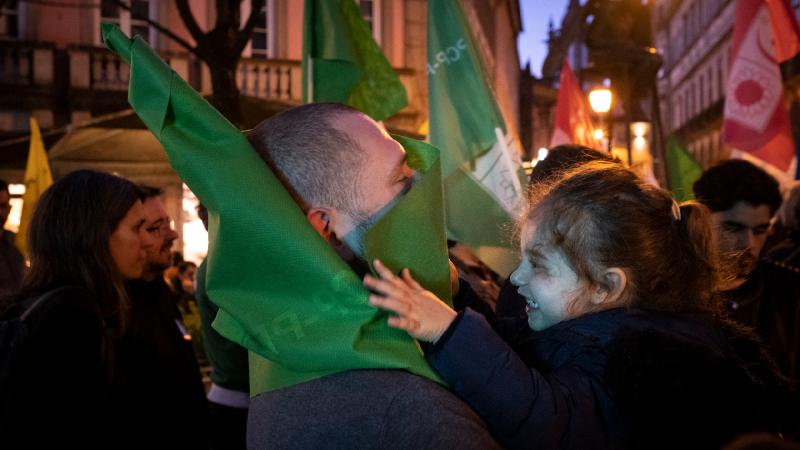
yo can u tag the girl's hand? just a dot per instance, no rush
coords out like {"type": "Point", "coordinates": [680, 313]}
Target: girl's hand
{"type": "Point", "coordinates": [419, 312]}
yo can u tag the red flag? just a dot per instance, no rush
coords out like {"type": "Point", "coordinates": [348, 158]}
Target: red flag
{"type": "Point", "coordinates": [756, 120]}
{"type": "Point", "coordinates": [784, 28]}
{"type": "Point", "coordinates": [573, 124]}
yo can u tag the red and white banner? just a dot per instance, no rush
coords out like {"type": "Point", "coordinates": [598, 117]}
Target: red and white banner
{"type": "Point", "coordinates": [573, 124]}
{"type": "Point", "coordinates": [765, 33]}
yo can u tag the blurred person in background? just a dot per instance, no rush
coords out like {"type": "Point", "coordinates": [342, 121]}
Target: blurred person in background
{"type": "Point", "coordinates": [168, 404]}
{"type": "Point", "coordinates": [69, 385]}
{"type": "Point", "coordinates": [11, 261]}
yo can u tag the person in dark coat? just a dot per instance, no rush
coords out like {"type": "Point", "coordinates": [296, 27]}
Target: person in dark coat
{"type": "Point", "coordinates": [67, 388]}
{"type": "Point", "coordinates": [626, 349]}
{"type": "Point", "coordinates": [364, 171]}
{"type": "Point", "coordinates": [167, 402]}
{"type": "Point", "coordinates": [764, 291]}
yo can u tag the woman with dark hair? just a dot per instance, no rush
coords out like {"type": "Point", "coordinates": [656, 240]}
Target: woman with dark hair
{"type": "Point", "coordinates": [85, 239]}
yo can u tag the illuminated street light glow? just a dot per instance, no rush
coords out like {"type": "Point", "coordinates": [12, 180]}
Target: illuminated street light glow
{"type": "Point", "coordinates": [600, 100]}
{"type": "Point", "coordinates": [640, 129]}
{"type": "Point", "coordinates": [542, 154]}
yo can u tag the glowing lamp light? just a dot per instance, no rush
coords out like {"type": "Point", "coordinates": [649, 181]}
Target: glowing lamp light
{"type": "Point", "coordinates": [600, 100]}
{"type": "Point", "coordinates": [542, 154]}
{"type": "Point", "coordinates": [640, 129]}
{"type": "Point", "coordinates": [598, 134]}
{"type": "Point", "coordinates": [16, 189]}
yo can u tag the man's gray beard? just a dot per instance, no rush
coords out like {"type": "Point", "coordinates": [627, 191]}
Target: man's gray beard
{"type": "Point", "coordinates": [359, 265]}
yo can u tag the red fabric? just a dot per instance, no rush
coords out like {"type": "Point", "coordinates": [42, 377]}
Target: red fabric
{"type": "Point", "coordinates": [756, 119]}
{"type": "Point", "coordinates": [573, 123]}
{"type": "Point", "coordinates": [784, 28]}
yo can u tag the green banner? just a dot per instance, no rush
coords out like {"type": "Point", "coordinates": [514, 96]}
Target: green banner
{"type": "Point", "coordinates": [283, 293]}
{"type": "Point", "coordinates": [682, 170]}
{"type": "Point", "coordinates": [343, 63]}
{"type": "Point", "coordinates": [482, 175]}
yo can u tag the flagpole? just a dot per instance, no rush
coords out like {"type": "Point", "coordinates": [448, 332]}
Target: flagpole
{"type": "Point", "coordinates": [310, 80]}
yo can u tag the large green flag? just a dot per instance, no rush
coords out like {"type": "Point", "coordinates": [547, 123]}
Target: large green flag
{"type": "Point", "coordinates": [482, 174]}
{"type": "Point", "coordinates": [343, 63]}
{"type": "Point", "coordinates": [283, 293]}
{"type": "Point", "coordinates": [682, 170]}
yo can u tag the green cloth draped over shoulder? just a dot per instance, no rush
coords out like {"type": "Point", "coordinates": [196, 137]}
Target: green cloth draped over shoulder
{"type": "Point", "coordinates": [283, 293]}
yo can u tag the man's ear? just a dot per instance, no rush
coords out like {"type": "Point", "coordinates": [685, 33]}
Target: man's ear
{"type": "Point", "coordinates": [320, 219]}
{"type": "Point", "coordinates": [610, 291]}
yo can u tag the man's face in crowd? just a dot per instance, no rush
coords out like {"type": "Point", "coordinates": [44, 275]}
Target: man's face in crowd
{"type": "Point", "coordinates": [160, 236]}
{"type": "Point", "coordinates": [742, 232]}
{"type": "Point", "coordinates": [384, 174]}
{"type": "Point", "coordinates": [5, 207]}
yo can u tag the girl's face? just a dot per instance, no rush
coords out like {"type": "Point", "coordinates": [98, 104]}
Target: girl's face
{"type": "Point", "coordinates": [548, 283]}
{"type": "Point", "coordinates": [125, 243]}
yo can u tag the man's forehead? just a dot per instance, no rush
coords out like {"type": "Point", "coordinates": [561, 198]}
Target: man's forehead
{"type": "Point", "coordinates": [154, 208]}
{"type": "Point", "coordinates": [745, 214]}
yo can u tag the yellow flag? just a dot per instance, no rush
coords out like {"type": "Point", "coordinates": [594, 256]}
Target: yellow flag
{"type": "Point", "coordinates": [37, 178]}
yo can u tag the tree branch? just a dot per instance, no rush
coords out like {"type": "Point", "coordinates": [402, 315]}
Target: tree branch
{"type": "Point", "coordinates": [246, 33]}
{"type": "Point", "coordinates": [183, 43]}
{"type": "Point", "coordinates": [191, 24]}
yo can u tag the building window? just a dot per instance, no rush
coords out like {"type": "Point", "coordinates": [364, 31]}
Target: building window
{"type": "Point", "coordinates": [140, 13]}
{"type": "Point", "coordinates": [8, 20]}
{"type": "Point", "coordinates": [685, 25]}
{"type": "Point", "coordinates": [262, 44]}
{"type": "Point", "coordinates": [686, 112]}
{"type": "Point", "coordinates": [133, 21]}
{"type": "Point", "coordinates": [703, 93]}
{"type": "Point", "coordinates": [371, 12]}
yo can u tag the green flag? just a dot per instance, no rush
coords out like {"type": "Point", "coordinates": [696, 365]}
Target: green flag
{"type": "Point", "coordinates": [283, 293]}
{"type": "Point", "coordinates": [482, 174]}
{"type": "Point", "coordinates": [343, 63]}
{"type": "Point", "coordinates": [682, 170]}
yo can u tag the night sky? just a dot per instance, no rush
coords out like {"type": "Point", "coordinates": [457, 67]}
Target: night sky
{"type": "Point", "coordinates": [535, 16]}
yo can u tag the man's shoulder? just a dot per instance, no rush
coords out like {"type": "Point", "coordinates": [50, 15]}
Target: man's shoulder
{"type": "Point", "coordinates": [387, 407]}
{"type": "Point", "coordinates": [372, 385]}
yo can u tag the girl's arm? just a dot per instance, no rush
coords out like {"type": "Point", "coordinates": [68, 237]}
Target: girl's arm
{"type": "Point", "coordinates": [522, 406]}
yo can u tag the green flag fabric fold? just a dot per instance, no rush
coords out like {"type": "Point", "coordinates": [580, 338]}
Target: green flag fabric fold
{"type": "Point", "coordinates": [682, 170]}
{"type": "Point", "coordinates": [482, 174]}
{"type": "Point", "coordinates": [343, 63]}
{"type": "Point", "coordinates": [283, 292]}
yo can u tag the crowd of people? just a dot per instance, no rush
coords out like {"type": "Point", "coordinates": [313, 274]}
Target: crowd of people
{"type": "Point", "coordinates": [632, 321]}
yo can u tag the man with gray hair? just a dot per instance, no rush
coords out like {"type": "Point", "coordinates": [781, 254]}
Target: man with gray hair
{"type": "Point", "coordinates": [345, 172]}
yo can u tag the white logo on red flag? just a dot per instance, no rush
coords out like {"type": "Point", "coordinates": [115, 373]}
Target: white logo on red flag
{"type": "Point", "coordinates": [754, 86]}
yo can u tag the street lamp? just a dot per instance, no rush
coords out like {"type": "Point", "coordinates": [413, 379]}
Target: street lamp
{"type": "Point", "coordinates": [600, 100]}
{"type": "Point", "coordinates": [640, 130]}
